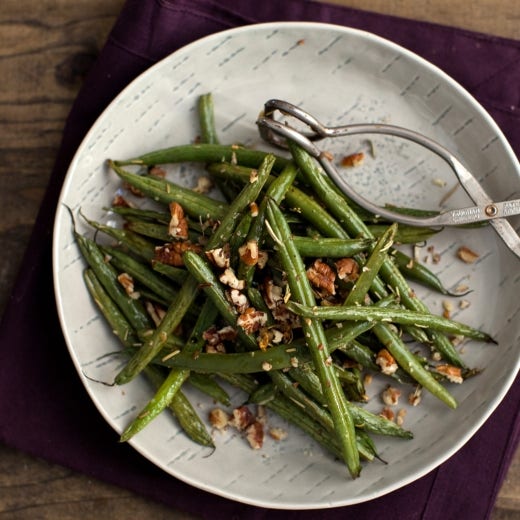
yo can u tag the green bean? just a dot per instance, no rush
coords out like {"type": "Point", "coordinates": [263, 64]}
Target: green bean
{"type": "Point", "coordinates": [248, 195]}
{"type": "Point", "coordinates": [331, 247]}
{"type": "Point", "coordinates": [405, 234]}
{"type": "Point", "coordinates": [132, 241]}
{"type": "Point", "coordinates": [276, 191]}
{"type": "Point", "coordinates": [118, 323]}
{"type": "Point", "coordinates": [175, 274]}
{"type": "Point", "coordinates": [208, 385]}
{"type": "Point", "coordinates": [315, 338]}
{"type": "Point", "coordinates": [263, 394]}
{"type": "Point", "coordinates": [371, 268]}
{"type": "Point", "coordinates": [132, 309]}
{"type": "Point", "coordinates": [188, 418]}
{"type": "Point", "coordinates": [390, 314]}
{"type": "Point", "coordinates": [141, 214]}
{"type": "Point", "coordinates": [154, 230]}
{"type": "Point", "coordinates": [352, 383]}
{"type": "Point", "coordinates": [312, 408]}
{"type": "Point", "coordinates": [360, 354]}
{"type": "Point", "coordinates": [140, 272]}
{"type": "Point", "coordinates": [278, 357]}
{"type": "Point", "coordinates": [204, 153]}
{"type": "Point", "coordinates": [157, 404]}
{"type": "Point", "coordinates": [194, 204]}
{"type": "Point", "coordinates": [169, 395]}
{"type": "Point", "coordinates": [208, 133]}
{"type": "Point", "coordinates": [418, 272]}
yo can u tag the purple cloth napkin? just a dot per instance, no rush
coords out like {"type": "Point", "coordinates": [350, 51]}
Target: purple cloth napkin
{"type": "Point", "coordinates": [44, 409]}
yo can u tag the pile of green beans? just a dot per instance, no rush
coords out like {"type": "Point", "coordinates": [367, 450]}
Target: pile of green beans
{"type": "Point", "coordinates": [318, 332]}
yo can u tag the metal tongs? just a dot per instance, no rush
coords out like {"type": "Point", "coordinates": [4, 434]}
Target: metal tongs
{"type": "Point", "coordinates": [279, 132]}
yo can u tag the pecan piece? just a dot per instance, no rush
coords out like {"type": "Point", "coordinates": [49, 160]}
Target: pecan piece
{"type": "Point", "coordinates": [348, 269]}
{"type": "Point", "coordinates": [390, 395]}
{"type": "Point", "coordinates": [255, 435]}
{"type": "Point", "coordinates": [322, 276]}
{"type": "Point", "coordinates": [252, 320]}
{"type": "Point", "coordinates": [218, 418]}
{"type": "Point", "coordinates": [178, 226]}
{"type": "Point", "coordinates": [386, 361]}
{"type": "Point", "coordinates": [452, 373]}
{"type": "Point", "coordinates": [353, 159]}
{"type": "Point", "coordinates": [249, 253]}
{"type": "Point", "coordinates": [229, 278]}
{"type": "Point", "coordinates": [467, 255]}
{"type": "Point", "coordinates": [220, 256]}
{"type": "Point", "coordinates": [242, 418]}
{"type": "Point", "coordinates": [171, 253]}
{"type": "Point", "coordinates": [128, 285]}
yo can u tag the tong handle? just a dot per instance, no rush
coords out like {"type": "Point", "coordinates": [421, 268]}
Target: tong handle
{"type": "Point", "coordinates": [278, 133]}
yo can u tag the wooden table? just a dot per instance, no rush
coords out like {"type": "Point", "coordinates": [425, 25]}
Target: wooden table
{"type": "Point", "coordinates": [46, 47]}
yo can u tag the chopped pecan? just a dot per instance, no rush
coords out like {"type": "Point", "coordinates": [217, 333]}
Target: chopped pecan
{"type": "Point", "coordinates": [353, 159]}
{"type": "Point", "coordinates": [229, 278]}
{"type": "Point", "coordinates": [322, 276]}
{"type": "Point", "coordinates": [215, 338]}
{"type": "Point", "coordinates": [415, 397]}
{"type": "Point", "coordinates": [249, 253]}
{"type": "Point", "coordinates": [274, 299]}
{"type": "Point", "coordinates": [251, 320]}
{"type": "Point", "coordinates": [348, 269]}
{"type": "Point", "coordinates": [242, 418]}
{"type": "Point", "coordinates": [171, 253]}
{"type": "Point", "coordinates": [388, 413]}
{"type": "Point", "coordinates": [255, 435]}
{"type": "Point", "coordinates": [278, 434]}
{"type": "Point", "coordinates": [227, 333]}
{"type": "Point", "coordinates": [447, 307]}
{"type": "Point", "coordinates": [155, 312]}
{"type": "Point", "coordinates": [220, 256]}
{"type": "Point", "coordinates": [218, 348]}
{"type": "Point", "coordinates": [467, 255]}
{"type": "Point", "coordinates": [128, 285]}
{"type": "Point", "coordinates": [238, 300]}
{"type": "Point", "coordinates": [386, 361]}
{"type": "Point", "coordinates": [452, 373]}
{"type": "Point", "coordinates": [218, 418]}
{"type": "Point", "coordinates": [178, 226]}
{"type": "Point", "coordinates": [390, 395]}
{"type": "Point", "coordinates": [204, 184]}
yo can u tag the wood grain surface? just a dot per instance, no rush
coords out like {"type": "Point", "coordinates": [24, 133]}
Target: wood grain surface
{"type": "Point", "coordinates": [46, 47]}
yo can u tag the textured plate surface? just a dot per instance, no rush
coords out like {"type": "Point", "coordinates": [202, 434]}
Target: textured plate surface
{"type": "Point", "coordinates": [342, 76]}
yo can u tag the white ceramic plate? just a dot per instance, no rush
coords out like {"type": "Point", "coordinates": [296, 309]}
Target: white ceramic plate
{"type": "Point", "coordinates": [342, 76]}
